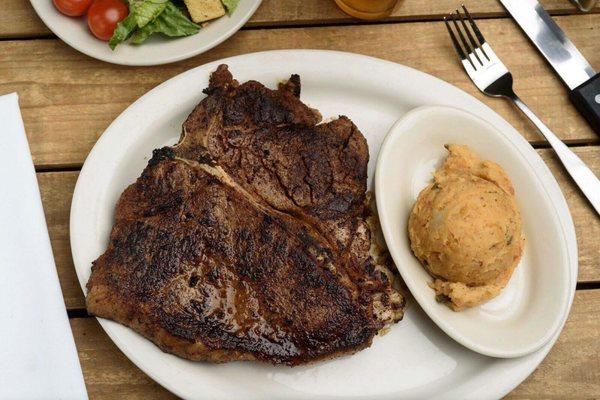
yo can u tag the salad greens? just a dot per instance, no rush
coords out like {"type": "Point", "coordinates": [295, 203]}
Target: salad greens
{"type": "Point", "coordinates": [230, 5]}
{"type": "Point", "coordinates": [144, 11]}
{"type": "Point", "coordinates": [123, 31]}
{"type": "Point", "coordinates": [147, 17]}
{"type": "Point", "coordinates": [171, 22]}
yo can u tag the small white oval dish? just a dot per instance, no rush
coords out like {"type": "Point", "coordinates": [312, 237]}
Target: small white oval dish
{"type": "Point", "coordinates": [535, 303]}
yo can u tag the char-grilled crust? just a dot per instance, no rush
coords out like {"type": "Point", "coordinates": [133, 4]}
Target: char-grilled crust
{"type": "Point", "coordinates": [248, 240]}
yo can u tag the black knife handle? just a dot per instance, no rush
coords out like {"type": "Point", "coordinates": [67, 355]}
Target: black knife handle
{"type": "Point", "coordinates": [586, 98]}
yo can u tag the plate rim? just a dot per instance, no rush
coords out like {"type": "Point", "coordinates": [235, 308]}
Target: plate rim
{"type": "Point", "coordinates": [499, 387]}
{"type": "Point", "coordinates": [521, 146]}
{"type": "Point", "coordinates": [73, 43]}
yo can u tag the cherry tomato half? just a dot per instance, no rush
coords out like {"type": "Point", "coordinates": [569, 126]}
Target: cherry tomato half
{"type": "Point", "coordinates": [104, 15]}
{"type": "Point", "coordinates": [72, 8]}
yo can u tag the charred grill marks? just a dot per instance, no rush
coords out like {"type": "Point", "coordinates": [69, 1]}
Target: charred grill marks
{"type": "Point", "coordinates": [248, 239]}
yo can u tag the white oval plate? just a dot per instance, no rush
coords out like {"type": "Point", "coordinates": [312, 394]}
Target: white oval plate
{"type": "Point", "coordinates": [535, 303]}
{"type": "Point", "coordinates": [156, 50]}
{"type": "Point", "coordinates": [415, 359]}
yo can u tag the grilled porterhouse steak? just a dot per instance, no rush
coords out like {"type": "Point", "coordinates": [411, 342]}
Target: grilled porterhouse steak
{"type": "Point", "coordinates": [249, 239]}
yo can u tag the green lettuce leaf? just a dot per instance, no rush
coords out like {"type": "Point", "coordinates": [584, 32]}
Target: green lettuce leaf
{"type": "Point", "coordinates": [145, 11]}
{"type": "Point", "coordinates": [123, 31]}
{"type": "Point", "coordinates": [230, 5]}
{"type": "Point", "coordinates": [171, 22]}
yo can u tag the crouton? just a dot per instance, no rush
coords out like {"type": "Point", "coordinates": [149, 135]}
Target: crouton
{"type": "Point", "coordinates": [204, 10]}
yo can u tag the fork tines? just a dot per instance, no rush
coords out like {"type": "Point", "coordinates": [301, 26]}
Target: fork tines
{"type": "Point", "coordinates": [470, 46]}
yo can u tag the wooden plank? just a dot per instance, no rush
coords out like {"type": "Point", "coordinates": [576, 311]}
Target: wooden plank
{"type": "Point", "coordinates": [68, 99]}
{"type": "Point", "coordinates": [572, 368]}
{"type": "Point", "coordinates": [569, 371]}
{"type": "Point", "coordinates": [312, 12]}
{"type": "Point", "coordinates": [585, 219]}
{"type": "Point", "coordinates": [19, 20]}
{"type": "Point", "coordinates": [57, 188]}
{"type": "Point", "coordinates": [107, 372]}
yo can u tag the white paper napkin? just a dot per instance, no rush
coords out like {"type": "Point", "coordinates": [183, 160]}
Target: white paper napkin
{"type": "Point", "coordinates": [38, 359]}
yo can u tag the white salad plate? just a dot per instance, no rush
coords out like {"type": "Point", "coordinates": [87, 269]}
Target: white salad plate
{"type": "Point", "coordinates": [158, 49]}
{"type": "Point", "coordinates": [415, 359]}
{"type": "Point", "coordinates": [535, 303]}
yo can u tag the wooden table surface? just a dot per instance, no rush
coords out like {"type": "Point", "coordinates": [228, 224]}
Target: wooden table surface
{"type": "Point", "coordinates": [68, 99]}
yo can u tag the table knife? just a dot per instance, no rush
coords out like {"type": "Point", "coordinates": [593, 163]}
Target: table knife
{"type": "Point", "coordinates": [583, 81]}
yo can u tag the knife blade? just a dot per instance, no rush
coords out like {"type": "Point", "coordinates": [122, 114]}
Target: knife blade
{"type": "Point", "coordinates": [575, 71]}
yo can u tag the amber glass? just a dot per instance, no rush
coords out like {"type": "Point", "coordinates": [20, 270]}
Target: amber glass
{"type": "Point", "coordinates": [367, 9]}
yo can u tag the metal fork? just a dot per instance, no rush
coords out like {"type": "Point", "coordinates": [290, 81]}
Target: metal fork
{"type": "Point", "coordinates": [492, 77]}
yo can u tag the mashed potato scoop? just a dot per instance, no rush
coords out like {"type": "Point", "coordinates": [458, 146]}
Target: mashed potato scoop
{"type": "Point", "coordinates": [465, 229]}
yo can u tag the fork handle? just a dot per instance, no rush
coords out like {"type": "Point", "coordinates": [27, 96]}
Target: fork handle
{"type": "Point", "coordinates": [581, 174]}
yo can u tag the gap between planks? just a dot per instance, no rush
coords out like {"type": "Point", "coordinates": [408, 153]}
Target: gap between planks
{"type": "Point", "coordinates": [82, 312]}
{"type": "Point", "coordinates": [332, 23]}
{"type": "Point", "coordinates": [274, 14]}
{"type": "Point", "coordinates": [538, 145]}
